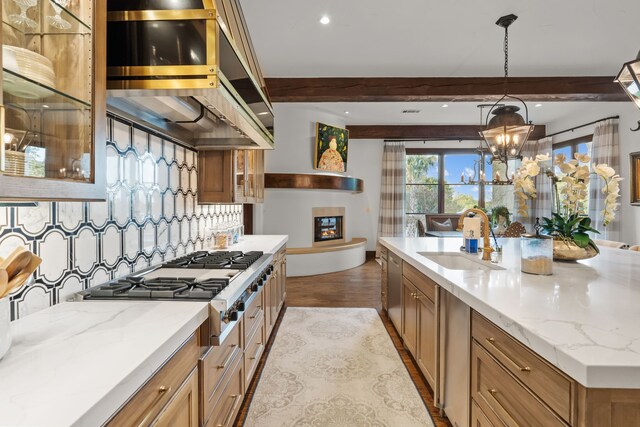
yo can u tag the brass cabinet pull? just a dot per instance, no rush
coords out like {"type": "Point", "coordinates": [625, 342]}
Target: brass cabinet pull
{"type": "Point", "coordinates": [227, 419]}
{"type": "Point", "coordinates": [254, 315]}
{"type": "Point", "coordinates": [493, 392]}
{"type": "Point", "coordinates": [231, 353]}
{"type": "Point", "coordinates": [255, 356]}
{"type": "Point", "coordinates": [161, 392]}
{"type": "Point", "coordinates": [492, 342]}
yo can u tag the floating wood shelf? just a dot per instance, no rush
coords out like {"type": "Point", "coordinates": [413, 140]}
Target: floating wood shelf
{"type": "Point", "coordinates": [354, 243]}
{"type": "Point", "coordinates": [313, 182]}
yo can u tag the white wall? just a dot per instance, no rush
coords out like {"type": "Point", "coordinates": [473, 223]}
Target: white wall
{"type": "Point", "coordinates": [629, 142]}
{"type": "Point", "coordinates": [289, 211]}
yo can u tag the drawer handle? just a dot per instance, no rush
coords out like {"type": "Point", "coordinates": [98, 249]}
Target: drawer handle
{"type": "Point", "coordinates": [227, 419]}
{"type": "Point", "coordinates": [229, 357]}
{"type": "Point", "coordinates": [256, 313]}
{"type": "Point", "coordinates": [161, 392]}
{"type": "Point", "coordinates": [493, 392]}
{"type": "Point", "coordinates": [255, 356]}
{"type": "Point", "coordinates": [492, 342]}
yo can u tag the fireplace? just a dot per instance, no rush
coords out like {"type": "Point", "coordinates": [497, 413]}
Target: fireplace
{"type": "Point", "coordinates": [328, 226]}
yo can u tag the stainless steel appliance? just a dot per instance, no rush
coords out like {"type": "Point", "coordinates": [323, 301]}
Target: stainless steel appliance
{"type": "Point", "coordinates": [394, 278]}
{"type": "Point", "coordinates": [228, 280]}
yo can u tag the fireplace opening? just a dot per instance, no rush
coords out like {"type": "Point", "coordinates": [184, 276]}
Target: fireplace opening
{"type": "Point", "coordinates": [327, 228]}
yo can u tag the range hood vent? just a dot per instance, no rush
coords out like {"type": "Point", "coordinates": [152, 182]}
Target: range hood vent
{"type": "Point", "coordinates": [174, 67]}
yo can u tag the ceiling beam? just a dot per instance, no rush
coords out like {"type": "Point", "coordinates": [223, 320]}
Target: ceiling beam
{"type": "Point", "coordinates": [443, 89]}
{"type": "Point", "coordinates": [420, 132]}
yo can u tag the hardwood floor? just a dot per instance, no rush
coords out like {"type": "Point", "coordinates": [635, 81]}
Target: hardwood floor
{"type": "Point", "coordinates": [357, 287]}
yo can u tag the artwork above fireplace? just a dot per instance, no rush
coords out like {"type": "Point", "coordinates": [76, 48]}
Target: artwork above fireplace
{"type": "Point", "coordinates": [328, 226]}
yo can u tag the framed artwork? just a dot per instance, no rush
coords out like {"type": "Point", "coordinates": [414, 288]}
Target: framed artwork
{"type": "Point", "coordinates": [635, 178]}
{"type": "Point", "coordinates": [331, 148]}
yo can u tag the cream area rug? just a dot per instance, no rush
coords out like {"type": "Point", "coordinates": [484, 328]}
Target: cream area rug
{"type": "Point", "coordinates": [335, 367]}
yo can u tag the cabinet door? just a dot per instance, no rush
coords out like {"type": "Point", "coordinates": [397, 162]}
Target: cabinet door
{"type": "Point", "coordinates": [216, 179]}
{"type": "Point", "coordinates": [266, 295]}
{"type": "Point", "coordinates": [273, 308]}
{"type": "Point", "coordinates": [182, 410]}
{"type": "Point", "coordinates": [427, 344]}
{"type": "Point", "coordinates": [240, 176]}
{"type": "Point", "coordinates": [259, 178]}
{"type": "Point", "coordinates": [409, 316]}
{"type": "Point", "coordinates": [384, 289]}
{"type": "Point", "coordinates": [282, 275]}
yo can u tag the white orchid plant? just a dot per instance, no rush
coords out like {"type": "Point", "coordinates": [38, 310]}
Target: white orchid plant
{"type": "Point", "coordinates": [571, 189]}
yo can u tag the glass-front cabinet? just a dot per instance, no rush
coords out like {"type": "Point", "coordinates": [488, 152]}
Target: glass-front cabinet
{"type": "Point", "coordinates": [53, 100]}
{"type": "Point", "coordinates": [249, 176]}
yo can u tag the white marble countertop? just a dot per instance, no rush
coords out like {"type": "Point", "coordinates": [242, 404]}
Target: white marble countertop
{"type": "Point", "coordinates": [583, 319]}
{"type": "Point", "coordinates": [267, 243]}
{"type": "Point", "coordinates": [76, 363]}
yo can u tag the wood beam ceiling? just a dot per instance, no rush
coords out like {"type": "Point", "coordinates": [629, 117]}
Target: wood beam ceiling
{"type": "Point", "coordinates": [443, 89]}
{"type": "Point", "coordinates": [426, 132]}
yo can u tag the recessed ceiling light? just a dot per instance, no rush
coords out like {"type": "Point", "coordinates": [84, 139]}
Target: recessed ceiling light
{"type": "Point", "coordinates": [346, 112]}
{"type": "Point", "coordinates": [538, 105]}
{"type": "Point", "coordinates": [264, 113]}
{"type": "Point", "coordinates": [445, 105]}
{"type": "Point", "coordinates": [325, 20]}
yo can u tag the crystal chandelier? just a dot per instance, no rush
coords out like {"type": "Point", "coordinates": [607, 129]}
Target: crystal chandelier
{"type": "Point", "coordinates": [504, 130]}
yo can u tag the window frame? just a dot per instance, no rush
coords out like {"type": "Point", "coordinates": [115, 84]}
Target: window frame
{"type": "Point", "coordinates": [441, 152]}
{"type": "Point", "coordinates": [573, 144]}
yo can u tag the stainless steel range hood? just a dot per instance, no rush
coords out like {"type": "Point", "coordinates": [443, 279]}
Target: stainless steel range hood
{"type": "Point", "coordinates": [173, 66]}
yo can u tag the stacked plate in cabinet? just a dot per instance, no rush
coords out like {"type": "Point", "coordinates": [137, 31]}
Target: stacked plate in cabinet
{"type": "Point", "coordinates": [30, 65]}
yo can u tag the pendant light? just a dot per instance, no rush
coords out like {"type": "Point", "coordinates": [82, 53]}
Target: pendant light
{"type": "Point", "coordinates": [629, 79]}
{"type": "Point", "coordinates": [504, 130]}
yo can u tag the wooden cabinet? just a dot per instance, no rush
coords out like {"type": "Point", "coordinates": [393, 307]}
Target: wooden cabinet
{"type": "Point", "coordinates": [231, 176]}
{"type": "Point", "coordinates": [419, 321]}
{"type": "Point", "coordinates": [384, 280]}
{"type": "Point", "coordinates": [167, 395]}
{"type": "Point", "coordinates": [182, 410]}
{"type": "Point", "coordinates": [280, 267]}
{"type": "Point", "coordinates": [231, 397]}
{"type": "Point", "coordinates": [53, 105]}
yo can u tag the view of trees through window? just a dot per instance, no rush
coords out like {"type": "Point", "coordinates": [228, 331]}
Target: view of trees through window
{"type": "Point", "coordinates": [438, 182]}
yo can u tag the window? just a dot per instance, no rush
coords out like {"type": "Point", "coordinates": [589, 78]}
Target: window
{"type": "Point", "coordinates": [437, 181]}
{"type": "Point", "coordinates": [569, 148]}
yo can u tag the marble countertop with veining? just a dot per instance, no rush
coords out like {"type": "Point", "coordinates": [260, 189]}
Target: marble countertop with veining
{"type": "Point", "coordinates": [584, 319]}
{"type": "Point", "coordinates": [77, 363]}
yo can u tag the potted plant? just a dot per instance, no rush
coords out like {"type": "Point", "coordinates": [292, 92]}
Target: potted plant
{"type": "Point", "coordinates": [500, 217]}
{"type": "Point", "coordinates": [569, 223]}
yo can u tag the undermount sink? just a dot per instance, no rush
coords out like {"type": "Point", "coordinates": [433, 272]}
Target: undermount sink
{"type": "Point", "coordinates": [459, 261]}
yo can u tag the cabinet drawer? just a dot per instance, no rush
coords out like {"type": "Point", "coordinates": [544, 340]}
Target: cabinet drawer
{"type": "Point", "coordinates": [498, 392]}
{"type": "Point", "coordinates": [383, 252]}
{"type": "Point", "coordinates": [252, 315]}
{"type": "Point", "coordinates": [420, 281]}
{"type": "Point", "coordinates": [253, 349]}
{"type": "Point", "coordinates": [225, 411]}
{"type": "Point", "coordinates": [553, 387]}
{"type": "Point", "coordinates": [147, 403]}
{"type": "Point", "coordinates": [479, 418]}
{"type": "Point", "coordinates": [215, 365]}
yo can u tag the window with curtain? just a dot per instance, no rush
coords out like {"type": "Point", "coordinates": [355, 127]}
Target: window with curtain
{"type": "Point", "coordinates": [437, 181]}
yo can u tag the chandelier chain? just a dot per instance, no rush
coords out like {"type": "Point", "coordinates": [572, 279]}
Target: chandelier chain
{"type": "Point", "coordinates": [506, 52]}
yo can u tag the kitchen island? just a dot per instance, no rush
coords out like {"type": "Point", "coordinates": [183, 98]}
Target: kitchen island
{"type": "Point", "coordinates": [582, 320]}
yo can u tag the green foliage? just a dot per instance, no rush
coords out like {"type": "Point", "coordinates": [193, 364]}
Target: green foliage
{"type": "Point", "coordinates": [574, 227]}
{"type": "Point", "coordinates": [500, 211]}
{"type": "Point", "coordinates": [323, 138]}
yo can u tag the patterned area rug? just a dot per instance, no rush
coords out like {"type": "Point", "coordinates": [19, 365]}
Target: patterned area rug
{"type": "Point", "coordinates": [335, 367]}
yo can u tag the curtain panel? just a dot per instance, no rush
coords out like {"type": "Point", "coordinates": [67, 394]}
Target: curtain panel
{"type": "Point", "coordinates": [542, 205]}
{"type": "Point", "coordinates": [605, 148]}
{"type": "Point", "coordinates": [391, 218]}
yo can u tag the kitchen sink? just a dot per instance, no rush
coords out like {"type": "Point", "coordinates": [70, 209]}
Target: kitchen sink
{"type": "Point", "coordinates": [459, 261]}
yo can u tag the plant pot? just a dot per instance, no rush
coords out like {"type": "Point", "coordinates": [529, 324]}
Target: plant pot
{"type": "Point", "coordinates": [5, 326]}
{"type": "Point", "coordinates": [567, 250]}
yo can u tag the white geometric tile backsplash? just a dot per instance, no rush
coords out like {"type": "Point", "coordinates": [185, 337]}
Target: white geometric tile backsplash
{"type": "Point", "coordinates": [151, 215]}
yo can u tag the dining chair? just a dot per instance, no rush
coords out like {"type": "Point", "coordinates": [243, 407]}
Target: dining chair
{"type": "Point", "coordinates": [515, 229]}
{"type": "Point", "coordinates": [609, 243]}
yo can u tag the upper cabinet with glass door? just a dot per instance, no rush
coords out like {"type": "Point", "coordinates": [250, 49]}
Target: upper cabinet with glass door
{"type": "Point", "coordinates": [53, 100]}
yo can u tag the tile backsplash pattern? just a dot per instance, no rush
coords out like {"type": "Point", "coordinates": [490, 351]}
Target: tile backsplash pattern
{"type": "Point", "coordinates": [151, 215]}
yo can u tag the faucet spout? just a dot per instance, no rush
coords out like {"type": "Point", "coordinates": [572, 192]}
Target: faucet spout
{"type": "Point", "coordinates": [487, 249]}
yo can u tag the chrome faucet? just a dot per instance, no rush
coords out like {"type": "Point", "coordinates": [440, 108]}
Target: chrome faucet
{"type": "Point", "coordinates": [487, 249]}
